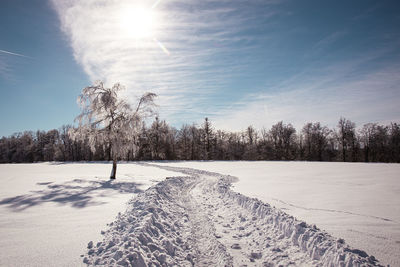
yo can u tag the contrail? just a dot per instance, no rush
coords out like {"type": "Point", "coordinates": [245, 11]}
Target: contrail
{"type": "Point", "coordinates": [14, 54]}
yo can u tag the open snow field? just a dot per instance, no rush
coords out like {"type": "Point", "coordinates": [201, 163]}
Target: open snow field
{"type": "Point", "coordinates": [355, 201]}
{"type": "Point", "coordinates": [49, 212]}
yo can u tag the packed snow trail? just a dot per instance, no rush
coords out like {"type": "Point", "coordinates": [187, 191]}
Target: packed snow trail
{"type": "Point", "coordinates": [196, 220]}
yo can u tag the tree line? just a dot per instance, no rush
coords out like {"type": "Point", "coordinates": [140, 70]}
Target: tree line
{"type": "Point", "coordinates": [159, 141]}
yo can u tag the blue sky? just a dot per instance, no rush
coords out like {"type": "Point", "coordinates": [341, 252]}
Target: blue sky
{"type": "Point", "coordinates": [237, 62]}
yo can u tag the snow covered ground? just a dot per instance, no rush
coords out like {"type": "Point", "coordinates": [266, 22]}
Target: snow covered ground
{"type": "Point", "coordinates": [355, 201]}
{"type": "Point", "coordinates": [49, 211]}
{"type": "Point", "coordinates": [197, 220]}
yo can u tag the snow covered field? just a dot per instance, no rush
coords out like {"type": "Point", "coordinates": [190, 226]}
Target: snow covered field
{"type": "Point", "coordinates": [355, 201]}
{"type": "Point", "coordinates": [49, 212]}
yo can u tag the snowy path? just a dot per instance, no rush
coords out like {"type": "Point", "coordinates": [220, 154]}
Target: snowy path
{"type": "Point", "coordinates": [197, 220]}
{"type": "Point", "coordinates": [358, 202]}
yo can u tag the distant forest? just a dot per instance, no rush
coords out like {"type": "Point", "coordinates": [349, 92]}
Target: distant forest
{"type": "Point", "coordinates": [159, 141]}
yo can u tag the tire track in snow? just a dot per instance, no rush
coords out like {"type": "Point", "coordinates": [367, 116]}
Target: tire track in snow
{"type": "Point", "coordinates": [197, 220]}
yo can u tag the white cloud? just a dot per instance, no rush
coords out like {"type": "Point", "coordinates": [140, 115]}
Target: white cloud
{"type": "Point", "coordinates": [193, 32]}
{"type": "Point", "coordinates": [202, 40]}
{"type": "Point", "coordinates": [372, 97]}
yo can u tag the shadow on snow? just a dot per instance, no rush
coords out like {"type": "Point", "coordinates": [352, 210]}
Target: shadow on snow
{"type": "Point", "coordinates": [78, 193]}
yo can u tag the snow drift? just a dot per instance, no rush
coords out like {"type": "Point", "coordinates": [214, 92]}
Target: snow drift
{"type": "Point", "coordinates": [197, 220]}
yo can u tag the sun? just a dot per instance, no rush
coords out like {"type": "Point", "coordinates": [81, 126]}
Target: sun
{"type": "Point", "coordinates": [141, 24]}
{"type": "Point", "coordinates": [138, 22]}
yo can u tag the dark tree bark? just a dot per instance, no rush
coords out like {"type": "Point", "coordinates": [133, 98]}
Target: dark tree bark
{"type": "Point", "coordinates": [114, 169]}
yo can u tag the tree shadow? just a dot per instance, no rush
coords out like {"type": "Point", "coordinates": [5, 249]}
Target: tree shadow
{"type": "Point", "coordinates": [78, 193]}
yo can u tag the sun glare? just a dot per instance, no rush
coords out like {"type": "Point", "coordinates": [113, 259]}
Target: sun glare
{"type": "Point", "coordinates": [138, 22]}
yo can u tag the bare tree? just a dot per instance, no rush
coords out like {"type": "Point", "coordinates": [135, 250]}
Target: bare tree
{"type": "Point", "coordinates": [367, 133]}
{"type": "Point", "coordinates": [347, 136]}
{"type": "Point", "coordinates": [316, 140]}
{"type": "Point", "coordinates": [394, 142]}
{"type": "Point", "coordinates": [158, 139]}
{"type": "Point", "coordinates": [283, 140]}
{"type": "Point", "coordinates": [195, 142]}
{"type": "Point", "coordinates": [93, 141]}
{"type": "Point", "coordinates": [184, 142]}
{"type": "Point", "coordinates": [107, 118]}
{"type": "Point", "coordinates": [251, 146]}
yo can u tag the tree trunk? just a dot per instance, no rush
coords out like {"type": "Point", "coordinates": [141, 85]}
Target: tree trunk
{"type": "Point", "coordinates": [343, 150]}
{"type": "Point", "coordinates": [114, 169]}
{"type": "Point", "coordinates": [109, 151]}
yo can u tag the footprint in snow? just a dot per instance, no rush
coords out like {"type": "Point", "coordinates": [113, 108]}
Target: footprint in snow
{"type": "Point", "coordinates": [236, 246]}
{"type": "Point", "coordinates": [256, 255]}
{"type": "Point", "coordinates": [277, 250]}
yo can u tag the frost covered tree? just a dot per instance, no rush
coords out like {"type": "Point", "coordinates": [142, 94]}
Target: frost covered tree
{"type": "Point", "coordinates": [110, 120]}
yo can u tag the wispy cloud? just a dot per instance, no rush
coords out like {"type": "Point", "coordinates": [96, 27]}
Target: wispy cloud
{"type": "Point", "coordinates": [7, 61]}
{"type": "Point", "coordinates": [199, 37]}
{"type": "Point", "coordinates": [13, 54]}
{"type": "Point", "coordinates": [199, 47]}
{"type": "Point", "coordinates": [363, 98]}
{"type": "Point", "coordinates": [4, 70]}
{"type": "Point", "coordinates": [327, 41]}
{"type": "Point", "coordinates": [368, 12]}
